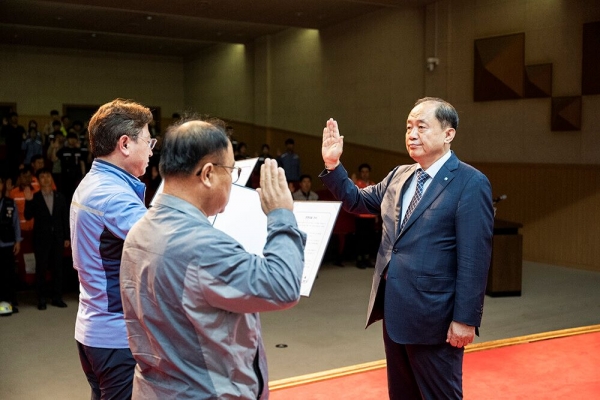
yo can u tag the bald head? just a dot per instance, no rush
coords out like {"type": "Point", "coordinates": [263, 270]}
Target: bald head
{"type": "Point", "coordinates": [186, 144]}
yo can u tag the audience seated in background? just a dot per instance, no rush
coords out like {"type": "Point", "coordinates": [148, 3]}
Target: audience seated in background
{"type": "Point", "coordinates": [32, 146]}
{"type": "Point", "coordinates": [66, 124]}
{"type": "Point", "coordinates": [72, 165]}
{"type": "Point", "coordinates": [242, 152]}
{"type": "Point", "coordinates": [33, 124]}
{"type": "Point", "coordinates": [82, 134]}
{"type": "Point", "coordinates": [305, 193]}
{"type": "Point", "coordinates": [37, 163]}
{"type": "Point", "coordinates": [49, 127]}
{"type": "Point", "coordinates": [57, 143]}
{"type": "Point", "coordinates": [290, 162]}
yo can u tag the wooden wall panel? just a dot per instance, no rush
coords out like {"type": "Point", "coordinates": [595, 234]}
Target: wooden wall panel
{"type": "Point", "coordinates": [558, 206]}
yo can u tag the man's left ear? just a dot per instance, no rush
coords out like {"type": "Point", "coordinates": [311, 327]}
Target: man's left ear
{"type": "Point", "coordinates": [205, 174]}
{"type": "Point", "coordinates": [123, 144]}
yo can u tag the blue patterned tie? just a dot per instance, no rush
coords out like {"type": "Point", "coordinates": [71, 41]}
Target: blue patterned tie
{"type": "Point", "coordinates": [421, 178]}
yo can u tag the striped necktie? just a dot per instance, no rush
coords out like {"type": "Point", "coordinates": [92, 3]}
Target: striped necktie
{"type": "Point", "coordinates": [421, 178]}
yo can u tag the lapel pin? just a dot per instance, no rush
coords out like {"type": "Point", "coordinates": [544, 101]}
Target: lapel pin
{"type": "Point", "coordinates": [445, 178]}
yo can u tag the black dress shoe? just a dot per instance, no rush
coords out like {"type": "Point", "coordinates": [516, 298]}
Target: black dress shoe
{"type": "Point", "coordinates": [41, 305]}
{"type": "Point", "coordinates": [59, 303]}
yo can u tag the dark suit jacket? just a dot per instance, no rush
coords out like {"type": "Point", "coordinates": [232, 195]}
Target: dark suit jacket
{"type": "Point", "coordinates": [45, 225]}
{"type": "Point", "coordinates": [437, 266]}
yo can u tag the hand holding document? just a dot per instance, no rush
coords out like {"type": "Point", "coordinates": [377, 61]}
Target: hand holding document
{"type": "Point", "coordinates": [244, 220]}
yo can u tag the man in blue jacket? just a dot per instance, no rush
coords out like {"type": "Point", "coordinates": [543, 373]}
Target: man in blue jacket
{"type": "Point", "coordinates": [432, 265]}
{"type": "Point", "coordinates": [106, 204]}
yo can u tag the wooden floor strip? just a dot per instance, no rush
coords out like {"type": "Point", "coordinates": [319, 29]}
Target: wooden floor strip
{"type": "Point", "coordinates": [493, 344]}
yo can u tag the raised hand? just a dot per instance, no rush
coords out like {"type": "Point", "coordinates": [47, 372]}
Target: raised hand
{"type": "Point", "coordinates": [273, 191]}
{"type": "Point", "coordinates": [28, 194]}
{"type": "Point", "coordinates": [333, 144]}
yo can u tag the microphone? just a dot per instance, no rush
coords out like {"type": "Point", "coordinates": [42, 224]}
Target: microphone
{"type": "Point", "coordinates": [499, 198]}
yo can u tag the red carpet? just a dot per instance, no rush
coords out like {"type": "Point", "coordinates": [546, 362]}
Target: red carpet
{"type": "Point", "coordinates": [555, 365]}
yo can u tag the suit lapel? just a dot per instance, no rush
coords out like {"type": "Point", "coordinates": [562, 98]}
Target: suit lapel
{"type": "Point", "coordinates": [436, 187]}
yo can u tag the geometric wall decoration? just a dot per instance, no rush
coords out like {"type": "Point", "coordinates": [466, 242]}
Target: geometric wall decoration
{"type": "Point", "coordinates": [566, 113]}
{"type": "Point", "coordinates": [590, 65]}
{"type": "Point", "coordinates": [499, 68]}
{"type": "Point", "coordinates": [538, 80]}
{"type": "Point", "coordinates": [500, 73]}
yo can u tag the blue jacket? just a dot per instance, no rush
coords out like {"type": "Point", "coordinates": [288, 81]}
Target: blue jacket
{"type": "Point", "coordinates": [106, 204]}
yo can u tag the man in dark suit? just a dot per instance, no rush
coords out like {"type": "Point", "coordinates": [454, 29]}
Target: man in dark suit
{"type": "Point", "coordinates": [50, 213]}
{"type": "Point", "coordinates": [431, 271]}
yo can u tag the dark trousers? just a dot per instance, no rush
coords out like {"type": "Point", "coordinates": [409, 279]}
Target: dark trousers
{"type": "Point", "coordinates": [8, 277]}
{"type": "Point", "coordinates": [108, 371]}
{"type": "Point", "coordinates": [419, 371]}
{"type": "Point", "coordinates": [365, 231]}
{"type": "Point", "coordinates": [49, 256]}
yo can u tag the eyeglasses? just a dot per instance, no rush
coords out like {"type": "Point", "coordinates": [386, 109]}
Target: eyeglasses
{"type": "Point", "coordinates": [235, 172]}
{"type": "Point", "coordinates": [150, 143]}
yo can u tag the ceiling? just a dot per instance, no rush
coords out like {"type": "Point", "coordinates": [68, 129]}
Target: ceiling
{"type": "Point", "coordinates": [178, 28]}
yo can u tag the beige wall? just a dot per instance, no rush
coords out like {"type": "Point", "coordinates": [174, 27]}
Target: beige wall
{"type": "Point", "coordinates": [360, 72]}
{"type": "Point", "coordinates": [367, 72]}
{"type": "Point", "coordinates": [220, 83]}
{"type": "Point", "coordinates": [40, 80]}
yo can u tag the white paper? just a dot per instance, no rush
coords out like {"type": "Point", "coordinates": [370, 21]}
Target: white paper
{"type": "Point", "coordinates": [246, 165]}
{"type": "Point", "coordinates": [316, 219]}
{"type": "Point", "coordinates": [244, 220]}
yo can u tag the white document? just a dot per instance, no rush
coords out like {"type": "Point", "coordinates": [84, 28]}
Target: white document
{"type": "Point", "coordinates": [244, 220]}
{"type": "Point", "coordinates": [246, 165]}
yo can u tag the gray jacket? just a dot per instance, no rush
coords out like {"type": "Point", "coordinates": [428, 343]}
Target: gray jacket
{"type": "Point", "coordinates": [191, 295]}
